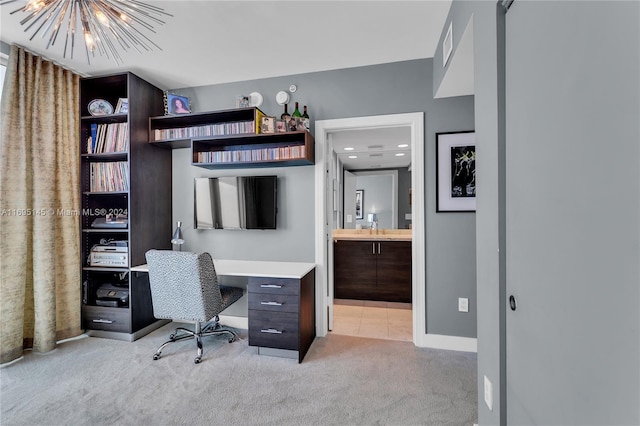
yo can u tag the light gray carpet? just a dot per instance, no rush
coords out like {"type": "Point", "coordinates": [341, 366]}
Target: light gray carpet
{"type": "Point", "coordinates": [342, 381]}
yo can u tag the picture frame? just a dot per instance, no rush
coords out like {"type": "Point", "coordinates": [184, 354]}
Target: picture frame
{"type": "Point", "coordinates": [292, 124]}
{"type": "Point", "coordinates": [359, 204]}
{"type": "Point", "coordinates": [268, 125]}
{"type": "Point", "coordinates": [176, 104]}
{"type": "Point", "coordinates": [281, 126]}
{"type": "Point", "coordinates": [122, 106]}
{"type": "Point", "coordinates": [243, 101]}
{"type": "Point", "coordinates": [456, 171]}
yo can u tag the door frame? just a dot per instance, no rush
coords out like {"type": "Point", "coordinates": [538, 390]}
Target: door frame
{"type": "Point", "coordinates": [324, 286]}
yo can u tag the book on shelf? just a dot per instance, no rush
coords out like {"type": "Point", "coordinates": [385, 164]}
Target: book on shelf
{"type": "Point", "coordinates": [105, 138]}
{"type": "Point", "coordinates": [293, 152]}
{"type": "Point", "coordinates": [109, 177]}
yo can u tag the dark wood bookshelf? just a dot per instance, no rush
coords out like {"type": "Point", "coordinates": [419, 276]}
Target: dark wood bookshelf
{"type": "Point", "coordinates": [247, 141]}
{"type": "Point", "coordinates": [147, 204]}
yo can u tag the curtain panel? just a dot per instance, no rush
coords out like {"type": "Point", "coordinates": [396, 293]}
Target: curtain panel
{"type": "Point", "coordinates": [39, 215]}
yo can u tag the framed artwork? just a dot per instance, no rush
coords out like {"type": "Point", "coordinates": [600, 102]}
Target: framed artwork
{"type": "Point", "coordinates": [359, 204]}
{"type": "Point", "coordinates": [176, 104]}
{"type": "Point", "coordinates": [456, 171]}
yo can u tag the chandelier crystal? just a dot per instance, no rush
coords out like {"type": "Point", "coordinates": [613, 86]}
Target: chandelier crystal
{"type": "Point", "coordinates": [104, 25]}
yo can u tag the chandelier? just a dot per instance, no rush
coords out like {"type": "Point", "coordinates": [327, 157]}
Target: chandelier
{"type": "Point", "coordinates": [105, 25]}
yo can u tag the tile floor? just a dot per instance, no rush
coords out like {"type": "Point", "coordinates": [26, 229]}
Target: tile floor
{"type": "Point", "coordinates": [378, 320]}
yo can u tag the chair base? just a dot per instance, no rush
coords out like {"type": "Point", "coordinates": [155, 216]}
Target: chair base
{"type": "Point", "coordinates": [211, 328]}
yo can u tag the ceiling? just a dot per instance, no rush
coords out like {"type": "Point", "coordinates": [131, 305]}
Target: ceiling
{"type": "Point", "coordinates": [213, 42]}
{"type": "Point", "coordinates": [374, 148]}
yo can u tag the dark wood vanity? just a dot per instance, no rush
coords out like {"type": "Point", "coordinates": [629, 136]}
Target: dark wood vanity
{"type": "Point", "coordinates": [372, 267]}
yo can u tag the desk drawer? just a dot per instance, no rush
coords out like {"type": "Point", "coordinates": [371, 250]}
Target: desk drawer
{"type": "Point", "coordinates": [274, 302]}
{"type": "Point", "coordinates": [104, 318]}
{"type": "Point", "coordinates": [274, 285]}
{"type": "Point", "coordinates": [273, 329]}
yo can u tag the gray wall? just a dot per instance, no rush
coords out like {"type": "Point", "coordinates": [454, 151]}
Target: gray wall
{"type": "Point", "coordinates": [400, 87]}
{"type": "Point", "coordinates": [489, 222]}
{"type": "Point", "coordinates": [378, 190]}
{"type": "Point", "coordinates": [404, 184]}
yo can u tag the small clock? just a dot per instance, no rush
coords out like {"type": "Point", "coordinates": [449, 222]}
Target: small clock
{"type": "Point", "coordinates": [282, 97]}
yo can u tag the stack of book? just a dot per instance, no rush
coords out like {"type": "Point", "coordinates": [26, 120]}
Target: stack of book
{"type": "Point", "coordinates": [221, 129]}
{"type": "Point", "coordinates": [253, 155]}
{"type": "Point", "coordinates": [108, 138]}
{"type": "Point", "coordinates": [109, 177]}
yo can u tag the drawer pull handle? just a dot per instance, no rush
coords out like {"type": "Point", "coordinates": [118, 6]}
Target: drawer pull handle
{"type": "Point", "coordinates": [271, 303]}
{"type": "Point", "coordinates": [270, 331]}
{"type": "Point", "coordinates": [270, 286]}
{"type": "Point", "coordinates": [103, 321]}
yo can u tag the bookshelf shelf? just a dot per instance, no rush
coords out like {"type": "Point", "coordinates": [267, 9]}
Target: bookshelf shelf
{"type": "Point", "coordinates": [106, 231]}
{"type": "Point", "coordinates": [217, 142]}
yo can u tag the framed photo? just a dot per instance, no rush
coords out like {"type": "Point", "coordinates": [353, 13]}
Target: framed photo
{"type": "Point", "coordinates": [268, 125]}
{"type": "Point", "coordinates": [281, 126]}
{"type": "Point", "coordinates": [456, 171]}
{"type": "Point", "coordinates": [243, 101]}
{"type": "Point", "coordinates": [122, 106]}
{"type": "Point", "coordinates": [176, 104]}
{"type": "Point", "coordinates": [292, 124]}
{"type": "Point", "coordinates": [359, 204]}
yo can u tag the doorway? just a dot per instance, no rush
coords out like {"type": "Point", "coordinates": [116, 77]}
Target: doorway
{"type": "Point", "coordinates": [326, 196]}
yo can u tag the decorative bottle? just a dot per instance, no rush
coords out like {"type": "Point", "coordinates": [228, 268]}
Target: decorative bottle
{"type": "Point", "coordinates": [305, 118]}
{"type": "Point", "coordinates": [296, 112]}
{"type": "Point", "coordinates": [285, 115]}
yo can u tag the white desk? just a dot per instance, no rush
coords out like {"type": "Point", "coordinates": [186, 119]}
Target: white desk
{"type": "Point", "coordinates": [237, 314]}
{"type": "Point", "coordinates": [254, 268]}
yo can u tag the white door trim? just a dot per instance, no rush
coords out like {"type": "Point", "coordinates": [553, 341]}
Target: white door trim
{"type": "Point", "coordinates": [415, 121]}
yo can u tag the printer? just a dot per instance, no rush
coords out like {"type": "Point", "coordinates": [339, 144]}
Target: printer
{"type": "Point", "coordinates": [110, 295]}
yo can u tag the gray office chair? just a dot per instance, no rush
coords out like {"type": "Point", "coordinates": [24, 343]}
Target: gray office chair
{"type": "Point", "coordinates": [184, 287]}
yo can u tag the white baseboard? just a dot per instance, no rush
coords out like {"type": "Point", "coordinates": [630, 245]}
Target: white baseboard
{"type": "Point", "coordinates": [235, 322]}
{"type": "Point", "coordinates": [451, 343]}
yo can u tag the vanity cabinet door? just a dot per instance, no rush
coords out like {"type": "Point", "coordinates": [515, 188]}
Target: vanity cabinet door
{"type": "Point", "coordinates": [354, 269]}
{"type": "Point", "coordinates": [394, 271]}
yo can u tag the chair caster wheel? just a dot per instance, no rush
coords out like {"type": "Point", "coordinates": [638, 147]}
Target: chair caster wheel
{"type": "Point", "coordinates": [197, 360]}
{"type": "Point", "coordinates": [232, 340]}
{"type": "Point", "coordinates": [156, 357]}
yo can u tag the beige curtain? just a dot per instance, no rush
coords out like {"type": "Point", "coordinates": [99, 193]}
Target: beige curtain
{"type": "Point", "coordinates": [39, 222]}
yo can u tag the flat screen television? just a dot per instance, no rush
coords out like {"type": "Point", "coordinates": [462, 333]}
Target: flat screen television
{"type": "Point", "coordinates": [236, 202]}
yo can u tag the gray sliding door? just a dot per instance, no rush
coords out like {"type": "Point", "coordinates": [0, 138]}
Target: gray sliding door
{"type": "Point", "coordinates": [573, 212]}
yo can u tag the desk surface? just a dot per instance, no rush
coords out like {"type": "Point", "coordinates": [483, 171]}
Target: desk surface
{"type": "Point", "coordinates": [254, 268]}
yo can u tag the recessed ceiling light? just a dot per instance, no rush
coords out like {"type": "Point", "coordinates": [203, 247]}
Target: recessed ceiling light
{"type": "Point", "coordinates": [403, 145]}
{"type": "Point", "coordinates": [349, 148]}
{"type": "Point", "coordinates": [400, 154]}
{"type": "Point", "coordinates": [353, 156]}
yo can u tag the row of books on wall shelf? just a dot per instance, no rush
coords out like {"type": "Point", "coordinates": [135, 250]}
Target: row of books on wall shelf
{"type": "Point", "coordinates": [220, 129]}
{"type": "Point", "coordinates": [109, 177]}
{"type": "Point", "coordinates": [112, 137]}
{"type": "Point", "coordinates": [252, 155]}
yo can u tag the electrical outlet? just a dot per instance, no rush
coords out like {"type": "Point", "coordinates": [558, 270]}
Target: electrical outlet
{"type": "Point", "coordinates": [488, 393]}
{"type": "Point", "coordinates": [463, 304]}
{"type": "Point", "coordinates": [349, 218]}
